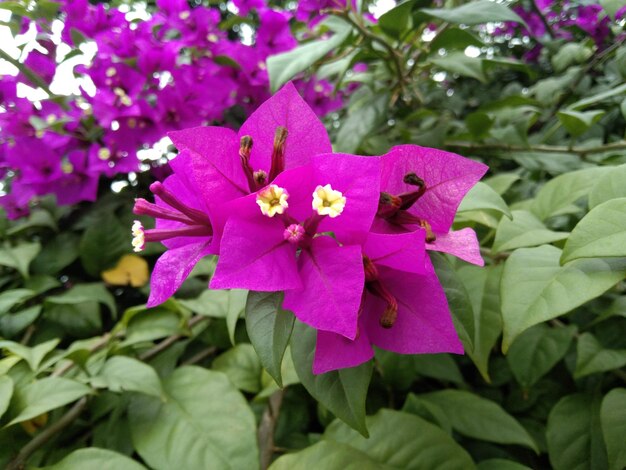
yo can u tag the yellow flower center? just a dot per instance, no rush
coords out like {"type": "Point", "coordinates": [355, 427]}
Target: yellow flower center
{"type": "Point", "coordinates": [272, 200]}
{"type": "Point", "coordinates": [327, 201]}
{"type": "Point", "coordinates": [104, 153]}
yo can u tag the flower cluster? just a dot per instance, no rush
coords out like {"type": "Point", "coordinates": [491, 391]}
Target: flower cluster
{"type": "Point", "coordinates": [176, 69]}
{"type": "Point", "coordinates": [564, 19]}
{"type": "Point", "coordinates": [344, 236]}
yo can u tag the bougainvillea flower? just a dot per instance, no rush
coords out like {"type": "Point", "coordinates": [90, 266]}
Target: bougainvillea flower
{"type": "Point", "coordinates": [283, 133]}
{"type": "Point", "coordinates": [421, 189]}
{"type": "Point", "coordinates": [182, 225]}
{"type": "Point", "coordinates": [279, 239]}
{"type": "Point", "coordinates": [404, 308]}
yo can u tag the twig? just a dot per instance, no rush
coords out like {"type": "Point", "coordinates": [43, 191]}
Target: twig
{"type": "Point", "coordinates": [582, 151]}
{"type": "Point", "coordinates": [19, 462]}
{"type": "Point", "coordinates": [102, 342]}
{"type": "Point", "coordinates": [395, 57]}
{"type": "Point", "coordinates": [31, 75]}
{"type": "Point", "coordinates": [167, 342]}
{"type": "Point", "coordinates": [28, 334]}
{"type": "Point", "coordinates": [597, 60]}
{"type": "Point", "coordinates": [200, 356]}
{"type": "Point", "coordinates": [267, 427]}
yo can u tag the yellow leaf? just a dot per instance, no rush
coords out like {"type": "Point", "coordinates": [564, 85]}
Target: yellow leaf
{"type": "Point", "coordinates": [33, 425]}
{"type": "Point", "coordinates": [130, 270]}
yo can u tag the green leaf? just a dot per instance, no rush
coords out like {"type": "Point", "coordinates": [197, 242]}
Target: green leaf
{"type": "Point", "coordinates": [458, 300]}
{"type": "Point", "coordinates": [611, 6]}
{"type": "Point", "coordinates": [236, 305]}
{"type": "Point", "coordinates": [479, 418]}
{"type": "Point", "coordinates": [599, 97]}
{"type": "Point", "coordinates": [458, 62]}
{"type": "Point", "coordinates": [482, 197]}
{"type": "Point", "coordinates": [57, 254]}
{"type": "Point", "coordinates": [397, 21]}
{"type": "Point", "coordinates": [121, 373]}
{"type": "Point", "coordinates": [242, 367]}
{"type": "Point", "coordinates": [593, 357]}
{"type": "Point", "coordinates": [536, 351]}
{"type": "Point", "coordinates": [428, 411]}
{"type": "Point", "coordinates": [483, 287]}
{"type": "Point", "coordinates": [269, 329]}
{"type": "Point", "coordinates": [501, 464]}
{"type": "Point", "coordinates": [45, 395]}
{"type": "Point", "coordinates": [283, 67]}
{"type": "Point", "coordinates": [474, 13]}
{"type": "Point", "coordinates": [600, 234]}
{"type": "Point", "coordinates": [94, 458]}
{"type": "Point", "coordinates": [570, 53]}
{"type": "Point", "coordinates": [19, 257]}
{"type": "Point", "coordinates": [479, 124]}
{"type": "Point", "coordinates": [455, 38]}
{"type": "Point", "coordinates": [287, 372]}
{"type": "Point", "coordinates": [613, 419]}
{"type": "Point", "coordinates": [14, 323]}
{"type": "Point", "coordinates": [204, 423]}
{"type": "Point", "coordinates": [610, 186]}
{"type": "Point", "coordinates": [33, 356]}
{"type": "Point", "coordinates": [38, 218]}
{"type": "Point", "coordinates": [437, 366]}
{"type": "Point", "coordinates": [574, 434]}
{"type": "Point", "coordinates": [82, 293]}
{"type": "Point", "coordinates": [13, 297]}
{"type": "Point", "coordinates": [329, 456]}
{"type": "Point", "coordinates": [558, 194]}
{"type": "Point", "coordinates": [501, 183]}
{"type": "Point", "coordinates": [152, 324]}
{"type": "Point", "coordinates": [402, 440]}
{"type": "Point", "coordinates": [100, 249]}
{"type": "Point", "coordinates": [579, 122]}
{"type": "Point", "coordinates": [342, 391]}
{"type": "Point", "coordinates": [6, 392]}
{"type": "Point", "coordinates": [523, 231]}
{"type": "Point", "coordinates": [365, 112]}
{"type": "Point", "coordinates": [535, 288]}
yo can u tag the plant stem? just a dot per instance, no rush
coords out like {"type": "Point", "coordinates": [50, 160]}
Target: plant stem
{"type": "Point", "coordinates": [19, 462]}
{"type": "Point", "coordinates": [267, 427]}
{"type": "Point", "coordinates": [395, 57]}
{"type": "Point", "coordinates": [167, 342]}
{"type": "Point", "coordinates": [582, 151]}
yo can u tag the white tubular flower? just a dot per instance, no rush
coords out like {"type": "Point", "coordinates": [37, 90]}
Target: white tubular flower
{"type": "Point", "coordinates": [138, 236]}
{"type": "Point", "coordinates": [327, 201]}
{"type": "Point", "coordinates": [272, 200]}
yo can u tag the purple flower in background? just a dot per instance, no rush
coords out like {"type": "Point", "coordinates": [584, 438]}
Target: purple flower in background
{"type": "Point", "coordinates": [79, 179]}
{"type": "Point", "coordinates": [274, 34]}
{"type": "Point", "coordinates": [404, 308]}
{"type": "Point", "coordinates": [278, 239]}
{"type": "Point", "coordinates": [244, 6]}
{"type": "Point", "coordinates": [421, 189]}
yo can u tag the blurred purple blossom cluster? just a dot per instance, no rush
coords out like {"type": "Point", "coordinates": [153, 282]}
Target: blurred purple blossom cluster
{"type": "Point", "coordinates": [561, 20]}
{"type": "Point", "coordinates": [177, 69]}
